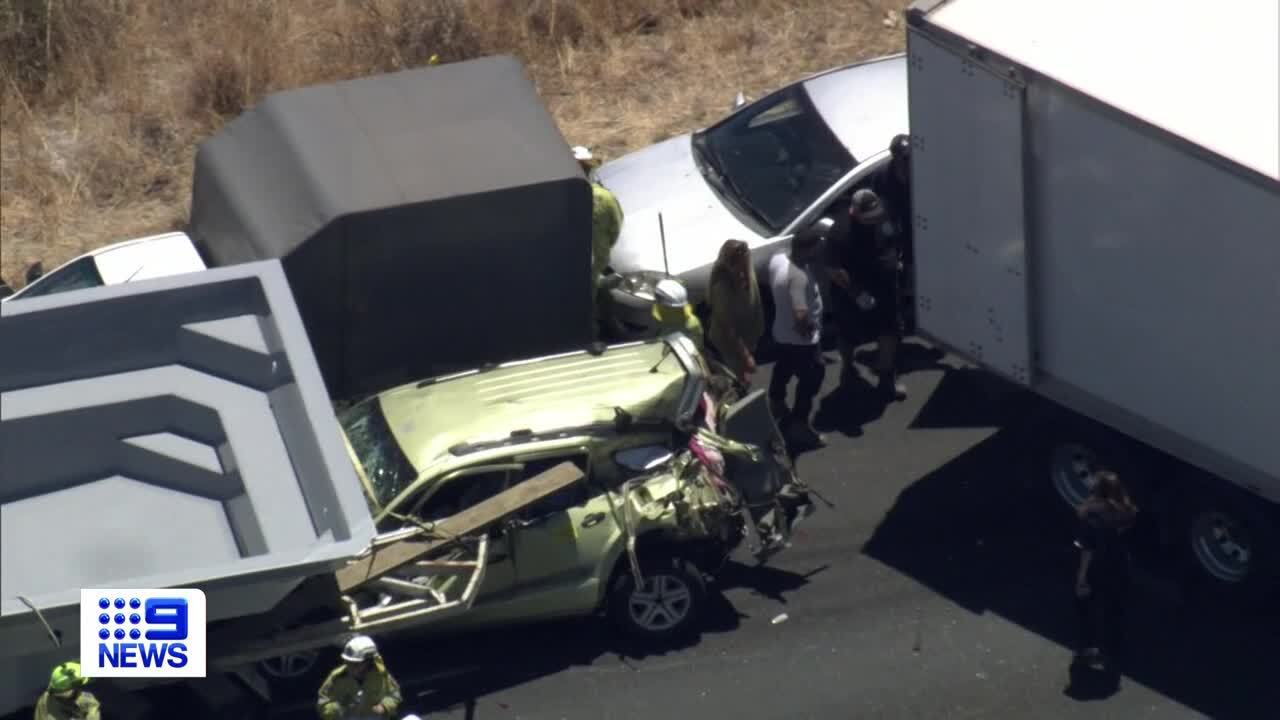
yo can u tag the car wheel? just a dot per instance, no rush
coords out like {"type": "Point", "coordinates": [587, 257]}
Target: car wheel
{"type": "Point", "coordinates": [290, 668]}
{"type": "Point", "coordinates": [666, 608]}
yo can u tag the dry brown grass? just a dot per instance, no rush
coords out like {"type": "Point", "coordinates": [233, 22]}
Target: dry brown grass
{"type": "Point", "coordinates": [104, 100]}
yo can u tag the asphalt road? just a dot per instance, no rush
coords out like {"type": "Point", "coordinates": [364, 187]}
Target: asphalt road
{"type": "Point", "coordinates": [936, 587]}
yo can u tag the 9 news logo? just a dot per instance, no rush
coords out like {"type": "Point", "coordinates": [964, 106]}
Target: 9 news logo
{"type": "Point", "coordinates": [147, 633]}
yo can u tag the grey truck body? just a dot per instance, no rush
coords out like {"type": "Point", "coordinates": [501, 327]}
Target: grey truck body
{"type": "Point", "coordinates": [429, 220]}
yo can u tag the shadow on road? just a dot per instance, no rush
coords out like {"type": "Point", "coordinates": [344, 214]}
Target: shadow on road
{"type": "Point", "coordinates": [452, 673]}
{"type": "Point", "coordinates": [976, 532]}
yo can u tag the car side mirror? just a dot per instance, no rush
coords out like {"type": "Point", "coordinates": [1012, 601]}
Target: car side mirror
{"type": "Point", "coordinates": [34, 272]}
{"type": "Point", "coordinates": [739, 100]}
{"type": "Point", "coordinates": [5, 290]}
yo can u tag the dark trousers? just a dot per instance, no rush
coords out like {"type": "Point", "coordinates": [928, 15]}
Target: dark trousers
{"type": "Point", "coordinates": [803, 362]}
{"type": "Point", "coordinates": [1103, 614]}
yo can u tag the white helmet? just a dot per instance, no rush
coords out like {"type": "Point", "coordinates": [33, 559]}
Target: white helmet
{"type": "Point", "coordinates": [582, 154]}
{"type": "Point", "coordinates": [671, 293]}
{"type": "Point", "coordinates": [359, 649]}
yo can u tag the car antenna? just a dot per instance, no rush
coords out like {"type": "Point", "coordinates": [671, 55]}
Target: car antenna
{"type": "Point", "coordinates": [666, 351]}
{"type": "Point", "coordinates": [662, 234]}
{"type": "Point", "coordinates": [54, 635]}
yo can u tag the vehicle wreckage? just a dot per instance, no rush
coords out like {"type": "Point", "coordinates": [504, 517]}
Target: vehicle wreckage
{"type": "Point", "coordinates": [610, 479]}
{"type": "Point", "coordinates": [613, 480]}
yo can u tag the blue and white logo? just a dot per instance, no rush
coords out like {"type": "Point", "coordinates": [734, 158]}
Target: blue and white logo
{"type": "Point", "coordinates": [142, 633]}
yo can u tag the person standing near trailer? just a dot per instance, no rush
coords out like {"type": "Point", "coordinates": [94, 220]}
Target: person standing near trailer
{"type": "Point", "coordinates": [1103, 577]}
{"type": "Point", "coordinates": [797, 332]}
{"type": "Point", "coordinates": [875, 265]}
{"type": "Point", "coordinates": [892, 184]}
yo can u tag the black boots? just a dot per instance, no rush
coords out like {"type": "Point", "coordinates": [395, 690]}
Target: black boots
{"type": "Point", "coordinates": [889, 387]}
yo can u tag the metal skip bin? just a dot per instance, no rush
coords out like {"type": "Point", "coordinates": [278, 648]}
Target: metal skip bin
{"type": "Point", "coordinates": [165, 433]}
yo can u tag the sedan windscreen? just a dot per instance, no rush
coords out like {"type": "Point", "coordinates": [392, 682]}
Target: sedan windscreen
{"type": "Point", "coordinates": [778, 156]}
{"type": "Point", "coordinates": [81, 274]}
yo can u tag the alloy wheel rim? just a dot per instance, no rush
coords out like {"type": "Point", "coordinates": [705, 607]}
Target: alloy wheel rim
{"type": "Point", "coordinates": [663, 602]}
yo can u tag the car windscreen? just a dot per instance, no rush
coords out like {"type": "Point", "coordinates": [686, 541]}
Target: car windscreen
{"type": "Point", "coordinates": [777, 156]}
{"type": "Point", "coordinates": [384, 463]}
{"type": "Point", "coordinates": [81, 274]}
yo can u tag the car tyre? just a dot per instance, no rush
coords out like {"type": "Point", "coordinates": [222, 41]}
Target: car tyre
{"type": "Point", "coordinates": [666, 609]}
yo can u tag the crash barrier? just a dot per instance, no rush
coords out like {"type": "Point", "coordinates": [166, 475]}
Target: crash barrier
{"type": "Point", "coordinates": [164, 433]}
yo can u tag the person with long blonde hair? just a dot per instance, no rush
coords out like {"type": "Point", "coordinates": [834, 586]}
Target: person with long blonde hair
{"type": "Point", "coordinates": [737, 315]}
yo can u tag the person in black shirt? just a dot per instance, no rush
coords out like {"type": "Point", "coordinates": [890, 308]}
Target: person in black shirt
{"type": "Point", "coordinates": [892, 184]}
{"type": "Point", "coordinates": [1103, 576]}
{"type": "Point", "coordinates": [866, 269]}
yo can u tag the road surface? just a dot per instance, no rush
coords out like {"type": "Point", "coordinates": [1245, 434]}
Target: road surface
{"type": "Point", "coordinates": [934, 588]}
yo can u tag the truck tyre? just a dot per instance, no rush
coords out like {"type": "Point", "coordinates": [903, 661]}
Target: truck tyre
{"type": "Point", "coordinates": [1229, 543]}
{"type": "Point", "coordinates": [1072, 450]}
{"type": "Point", "coordinates": [666, 609]}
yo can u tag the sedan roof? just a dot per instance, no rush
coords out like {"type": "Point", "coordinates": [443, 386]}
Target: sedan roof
{"type": "Point", "coordinates": [865, 104]}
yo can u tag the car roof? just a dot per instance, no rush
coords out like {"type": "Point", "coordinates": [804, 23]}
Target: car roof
{"type": "Point", "coordinates": [864, 104]}
{"type": "Point", "coordinates": [147, 257]}
{"type": "Point", "coordinates": [541, 395]}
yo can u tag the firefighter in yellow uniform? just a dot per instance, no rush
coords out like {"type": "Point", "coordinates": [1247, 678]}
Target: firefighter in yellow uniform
{"type": "Point", "coordinates": [361, 688]}
{"type": "Point", "coordinates": [66, 698]}
{"type": "Point", "coordinates": [606, 225]}
{"type": "Point", "coordinates": [674, 314]}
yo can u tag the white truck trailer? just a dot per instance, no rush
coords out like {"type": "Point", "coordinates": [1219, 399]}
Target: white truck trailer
{"type": "Point", "coordinates": [1096, 201]}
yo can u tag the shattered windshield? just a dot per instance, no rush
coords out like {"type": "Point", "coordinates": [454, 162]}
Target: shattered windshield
{"type": "Point", "coordinates": [384, 463]}
{"type": "Point", "coordinates": [777, 157]}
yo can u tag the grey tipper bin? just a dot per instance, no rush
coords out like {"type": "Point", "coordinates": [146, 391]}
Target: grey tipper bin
{"type": "Point", "coordinates": [163, 433]}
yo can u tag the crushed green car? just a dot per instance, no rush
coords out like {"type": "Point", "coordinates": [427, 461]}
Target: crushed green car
{"type": "Point", "coordinates": [681, 469]}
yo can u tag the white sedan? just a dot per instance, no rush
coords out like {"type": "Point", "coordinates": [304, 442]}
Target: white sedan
{"type": "Point", "coordinates": [770, 169]}
{"type": "Point", "coordinates": [139, 259]}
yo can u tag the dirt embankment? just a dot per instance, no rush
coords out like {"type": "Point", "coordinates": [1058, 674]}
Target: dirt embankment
{"type": "Point", "coordinates": [105, 100]}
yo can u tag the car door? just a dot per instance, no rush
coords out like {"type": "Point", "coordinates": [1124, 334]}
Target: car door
{"type": "Point", "coordinates": [464, 489]}
{"type": "Point", "coordinates": [558, 542]}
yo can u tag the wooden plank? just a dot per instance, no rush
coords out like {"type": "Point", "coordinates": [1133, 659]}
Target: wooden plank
{"type": "Point", "coordinates": [477, 518]}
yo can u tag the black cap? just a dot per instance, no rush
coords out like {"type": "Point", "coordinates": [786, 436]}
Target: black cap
{"type": "Point", "coordinates": [900, 146]}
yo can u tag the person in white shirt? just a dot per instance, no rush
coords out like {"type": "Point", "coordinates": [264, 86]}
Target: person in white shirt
{"type": "Point", "coordinates": [797, 332]}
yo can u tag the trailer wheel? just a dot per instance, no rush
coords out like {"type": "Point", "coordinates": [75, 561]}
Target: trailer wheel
{"type": "Point", "coordinates": [1075, 452]}
{"type": "Point", "coordinates": [1230, 544]}
{"type": "Point", "coordinates": [1071, 471]}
